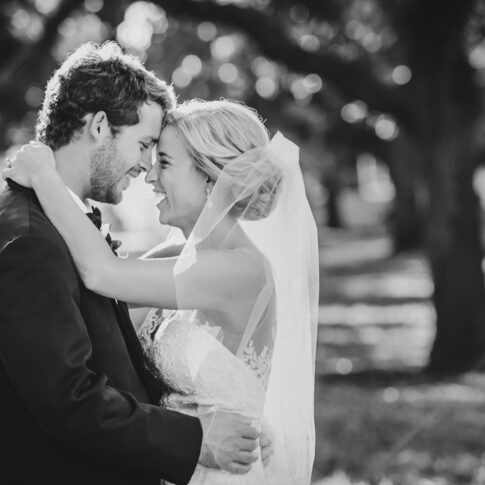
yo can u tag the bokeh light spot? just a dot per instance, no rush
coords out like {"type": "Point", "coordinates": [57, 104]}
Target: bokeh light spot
{"type": "Point", "coordinates": [390, 394]}
{"type": "Point", "coordinates": [223, 47]}
{"type": "Point", "coordinates": [137, 29]}
{"type": "Point", "coordinates": [354, 112]}
{"type": "Point", "coordinates": [192, 65]}
{"type": "Point", "coordinates": [45, 7]}
{"type": "Point", "coordinates": [266, 87]}
{"type": "Point", "coordinates": [343, 366]}
{"type": "Point", "coordinates": [206, 31]}
{"type": "Point", "coordinates": [93, 6]}
{"type": "Point", "coordinates": [313, 83]}
{"type": "Point", "coordinates": [310, 43]}
{"type": "Point", "coordinates": [228, 73]}
{"type": "Point", "coordinates": [299, 90]}
{"type": "Point", "coordinates": [34, 96]}
{"type": "Point", "coordinates": [262, 67]}
{"type": "Point", "coordinates": [299, 13]}
{"type": "Point", "coordinates": [371, 42]}
{"type": "Point", "coordinates": [67, 28]}
{"type": "Point", "coordinates": [355, 30]}
{"type": "Point", "coordinates": [401, 75]}
{"type": "Point", "coordinates": [181, 78]}
{"type": "Point", "coordinates": [134, 35]}
{"type": "Point", "coordinates": [386, 128]}
{"type": "Point", "coordinates": [477, 57]}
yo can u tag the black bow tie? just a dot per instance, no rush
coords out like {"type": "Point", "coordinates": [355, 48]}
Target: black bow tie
{"type": "Point", "coordinates": [96, 218]}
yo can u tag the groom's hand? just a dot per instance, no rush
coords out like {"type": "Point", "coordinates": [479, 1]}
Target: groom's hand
{"type": "Point", "coordinates": [266, 448]}
{"type": "Point", "coordinates": [230, 442]}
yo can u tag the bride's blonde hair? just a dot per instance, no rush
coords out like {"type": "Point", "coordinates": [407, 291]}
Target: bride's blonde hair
{"type": "Point", "coordinates": [217, 133]}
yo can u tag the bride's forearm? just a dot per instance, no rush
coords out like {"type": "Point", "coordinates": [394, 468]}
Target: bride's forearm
{"type": "Point", "coordinates": [142, 282]}
{"type": "Point", "coordinates": [163, 250]}
{"type": "Point", "coordinates": [94, 259]}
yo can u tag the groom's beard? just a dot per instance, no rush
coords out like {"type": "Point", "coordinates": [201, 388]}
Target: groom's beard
{"type": "Point", "coordinates": [103, 175]}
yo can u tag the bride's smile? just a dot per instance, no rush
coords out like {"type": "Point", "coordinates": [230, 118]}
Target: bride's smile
{"type": "Point", "coordinates": [179, 186]}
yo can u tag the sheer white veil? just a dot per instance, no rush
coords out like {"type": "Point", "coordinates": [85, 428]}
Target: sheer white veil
{"type": "Point", "coordinates": [261, 192]}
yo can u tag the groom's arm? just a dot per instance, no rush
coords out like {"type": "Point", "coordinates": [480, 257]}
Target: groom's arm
{"type": "Point", "coordinates": [44, 347]}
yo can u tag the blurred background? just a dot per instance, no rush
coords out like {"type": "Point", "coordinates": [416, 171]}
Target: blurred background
{"type": "Point", "coordinates": [385, 99]}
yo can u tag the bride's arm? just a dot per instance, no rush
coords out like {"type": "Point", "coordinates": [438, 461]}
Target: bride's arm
{"type": "Point", "coordinates": [211, 283]}
{"type": "Point", "coordinates": [143, 282]}
{"type": "Point", "coordinates": [165, 249]}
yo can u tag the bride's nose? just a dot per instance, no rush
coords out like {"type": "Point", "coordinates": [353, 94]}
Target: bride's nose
{"type": "Point", "coordinates": [151, 174]}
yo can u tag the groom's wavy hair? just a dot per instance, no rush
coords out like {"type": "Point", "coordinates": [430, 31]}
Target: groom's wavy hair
{"type": "Point", "coordinates": [97, 77]}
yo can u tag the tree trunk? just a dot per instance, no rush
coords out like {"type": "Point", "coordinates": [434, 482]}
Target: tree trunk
{"type": "Point", "coordinates": [455, 255]}
{"type": "Point", "coordinates": [406, 220]}
{"type": "Point", "coordinates": [448, 105]}
{"type": "Point", "coordinates": [332, 185]}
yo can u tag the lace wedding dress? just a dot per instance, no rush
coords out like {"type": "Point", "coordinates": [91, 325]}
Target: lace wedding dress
{"type": "Point", "coordinates": [261, 373]}
{"type": "Point", "coordinates": [206, 375]}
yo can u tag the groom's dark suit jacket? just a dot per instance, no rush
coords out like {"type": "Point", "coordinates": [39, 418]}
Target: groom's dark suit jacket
{"type": "Point", "coordinates": [74, 393]}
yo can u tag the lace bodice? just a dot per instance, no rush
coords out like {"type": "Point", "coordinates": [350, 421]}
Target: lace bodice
{"type": "Point", "coordinates": [186, 350]}
{"type": "Point", "coordinates": [191, 359]}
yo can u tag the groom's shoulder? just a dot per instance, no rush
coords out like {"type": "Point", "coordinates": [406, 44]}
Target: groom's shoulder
{"type": "Point", "coordinates": [21, 215]}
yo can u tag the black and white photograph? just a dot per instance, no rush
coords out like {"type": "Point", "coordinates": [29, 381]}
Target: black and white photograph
{"type": "Point", "coordinates": [242, 242]}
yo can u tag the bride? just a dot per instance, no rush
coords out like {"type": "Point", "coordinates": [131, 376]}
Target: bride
{"type": "Point", "coordinates": [233, 319]}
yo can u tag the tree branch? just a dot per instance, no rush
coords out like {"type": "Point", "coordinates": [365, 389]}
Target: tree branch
{"type": "Point", "coordinates": [353, 78]}
{"type": "Point", "coordinates": [329, 10]}
{"type": "Point", "coordinates": [29, 54]}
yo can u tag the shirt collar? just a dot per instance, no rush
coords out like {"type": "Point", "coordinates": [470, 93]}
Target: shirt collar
{"type": "Point", "coordinates": [84, 207]}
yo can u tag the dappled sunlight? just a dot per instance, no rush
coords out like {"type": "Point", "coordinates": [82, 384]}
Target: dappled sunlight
{"type": "Point", "coordinates": [354, 251]}
{"type": "Point", "coordinates": [361, 314]}
{"type": "Point", "coordinates": [413, 432]}
{"type": "Point", "coordinates": [354, 349]}
{"type": "Point", "coordinates": [444, 393]}
{"type": "Point", "coordinates": [380, 286]}
{"type": "Point", "coordinates": [375, 310]}
{"type": "Point", "coordinates": [83, 27]}
{"type": "Point", "coordinates": [338, 478]}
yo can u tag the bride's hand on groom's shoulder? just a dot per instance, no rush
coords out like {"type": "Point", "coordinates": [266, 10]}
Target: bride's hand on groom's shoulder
{"type": "Point", "coordinates": [230, 442]}
{"type": "Point", "coordinates": [28, 162]}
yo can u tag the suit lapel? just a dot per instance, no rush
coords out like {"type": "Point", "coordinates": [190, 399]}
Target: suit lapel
{"type": "Point", "coordinates": [29, 192]}
{"type": "Point", "coordinates": [135, 350]}
{"type": "Point", "coordinates": [132, 342]}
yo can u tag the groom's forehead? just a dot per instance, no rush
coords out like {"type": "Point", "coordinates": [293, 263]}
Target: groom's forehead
{"type": "Point", "coordinates": [150, 116]}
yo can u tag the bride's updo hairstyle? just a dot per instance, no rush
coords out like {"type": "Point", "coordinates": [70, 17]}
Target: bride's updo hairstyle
{"type": "Point", "coordinates": [227, 135]}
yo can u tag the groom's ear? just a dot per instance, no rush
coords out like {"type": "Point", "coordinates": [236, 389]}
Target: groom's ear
{"type": "Point", "coordinates": [99, 127]}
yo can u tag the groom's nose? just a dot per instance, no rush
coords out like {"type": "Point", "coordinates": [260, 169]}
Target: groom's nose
{"type": "Point", "coordinates": [145, 164]}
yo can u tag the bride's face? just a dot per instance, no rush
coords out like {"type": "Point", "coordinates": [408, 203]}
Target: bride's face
{"type": "Point", "coordinates": [182, 188]}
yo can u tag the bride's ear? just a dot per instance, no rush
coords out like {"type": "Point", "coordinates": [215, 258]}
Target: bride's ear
{"type": "Point", "coordinates": [209, 185]}
{"type": "Point", "coordinates": [99, 127]}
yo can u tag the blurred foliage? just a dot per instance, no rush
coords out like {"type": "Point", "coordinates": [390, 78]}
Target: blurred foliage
{"type": "Point", "coordinates": [353, 82]}
{"type": "Point", "coordinates": [384, 97]}
{"type": "Point", "coordinates": [331, 75]}
{"type": "Point", "coordinates": [210, 59]}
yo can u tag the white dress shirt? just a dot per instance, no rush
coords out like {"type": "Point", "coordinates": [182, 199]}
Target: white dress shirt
{"type": "Point", "coordinates": [84, 207]}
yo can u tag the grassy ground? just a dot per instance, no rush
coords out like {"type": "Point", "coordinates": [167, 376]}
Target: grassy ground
{"type": "Point", "coordinates": [379, 420]}
{"type": "Point", "coordinates": [401, 430]}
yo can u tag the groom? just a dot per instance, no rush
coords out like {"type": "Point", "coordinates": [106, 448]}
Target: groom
{"type": "Point", "coordinates": [77, 404]}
